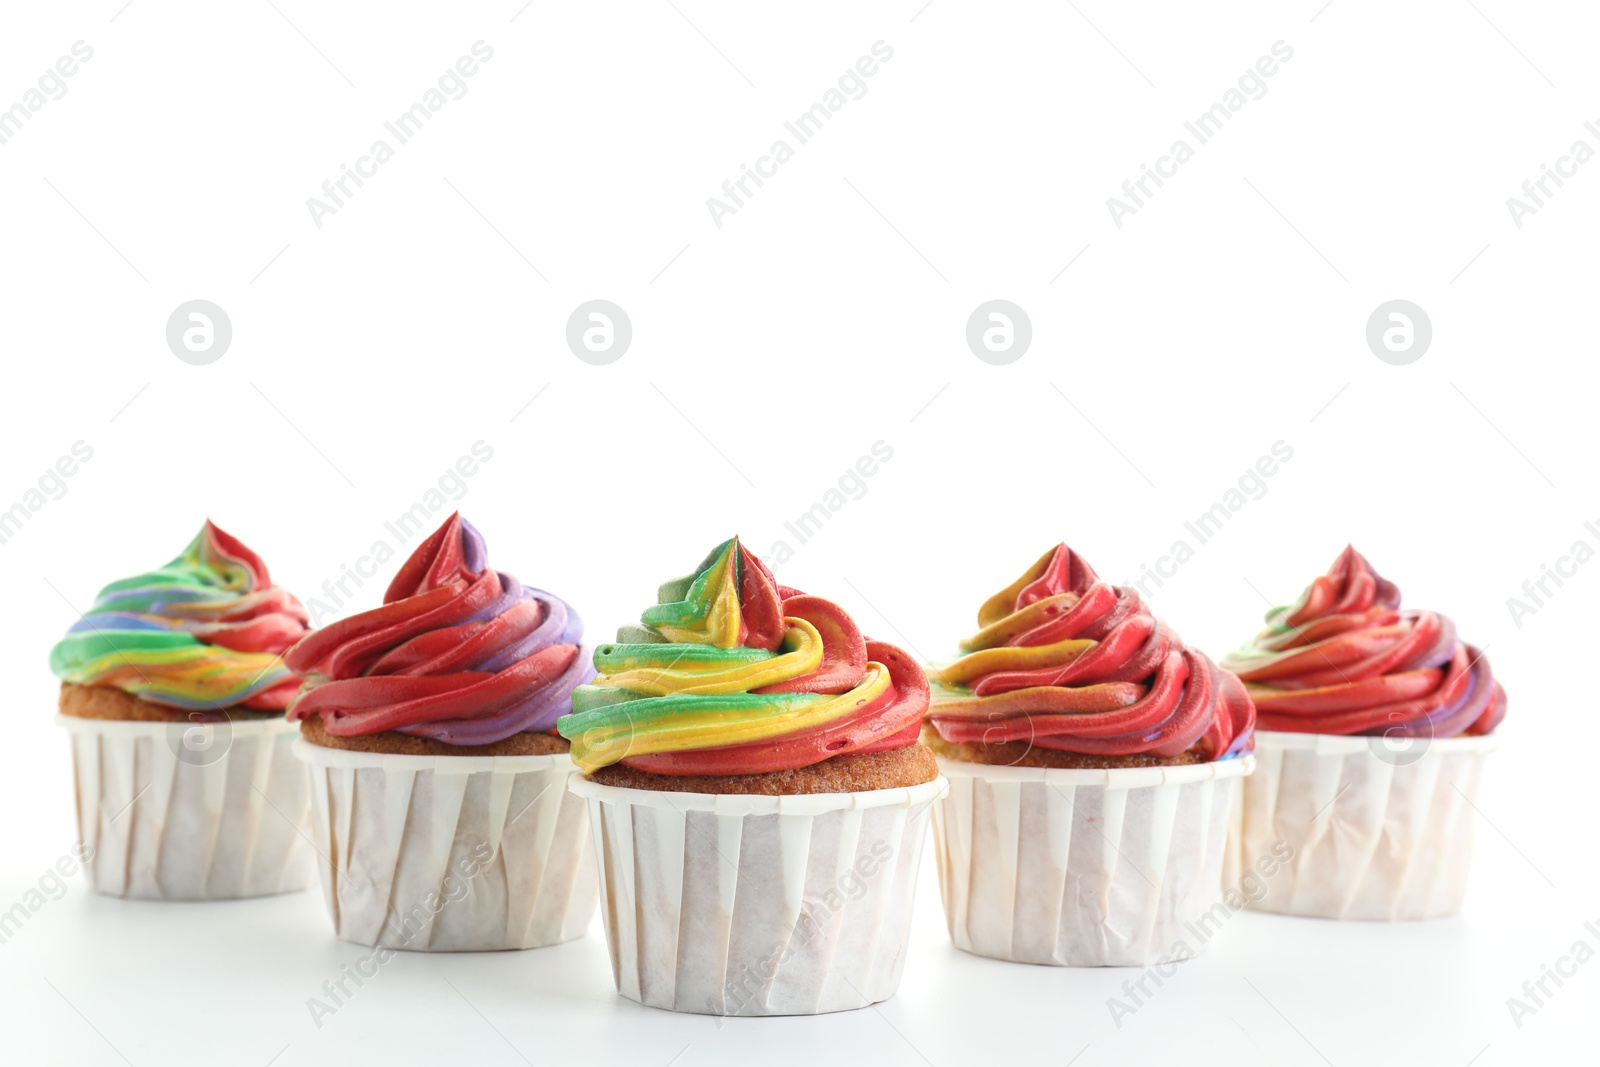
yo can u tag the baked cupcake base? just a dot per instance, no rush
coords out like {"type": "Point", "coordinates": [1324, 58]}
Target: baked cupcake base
{"type": "Point", "coordinates": [1377, 831]}
{"type": "Point", "coordinates": [449, 853]}
{"type": "Point", "coordinates": [397, 743]}
{"type": "Point", "coordinates": [104, 702]}
{"type": "Point", "coordinates": [1085, 867]}
{"type": "Point", "coordinates": [1024, 754]}
{"type": "Point", "coordinates": [898, 768]}
{"type": "Point", "coordinates": [751, 904]}
{"type": "Point", "coordinates": [173, 808]}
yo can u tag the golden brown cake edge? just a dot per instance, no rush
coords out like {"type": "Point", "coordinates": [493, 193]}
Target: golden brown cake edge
{"type": "Point", "coordinates": [858, 772]}
{"type": "Point", "coordinates": [1023, 754]}
{"type": "Point", "coordinates": [110, 704]}
{"type": "Point", "coordinates": [392, 742]}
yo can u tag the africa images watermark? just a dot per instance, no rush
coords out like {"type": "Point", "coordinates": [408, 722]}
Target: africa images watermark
{"type": "Point", "coordinates": [1537, 190]}
{"type": "Point", "coordinates": [1252, 888]}
{"type": "Point", "coordinates": [851, 485]}
{"type": "Point", "coordinates": [51, 887]}
{"type": "Point", "coordinates": [405, 126]}
{"type": "Point", "coordinates": [1537, 591]}
{"type": "Point", "coordinates": [416, 520]}
{"type": "Point", "coordinates": [849, 887]}
{"type": "Point", "coordinates": [1251, 485]}
{"type": "Point", "coordinates": [52, 85]}
{"type": "Point", "coordinates": [1536, 992]}
{"type": "Point", "coordinates": [401, 927]}
{"type": "Point", "coordinates": [1203, 128]}
{"type": "Point", "coordinates": [807, 125]}
{"type": "Point", "coordinates": [52, 485]}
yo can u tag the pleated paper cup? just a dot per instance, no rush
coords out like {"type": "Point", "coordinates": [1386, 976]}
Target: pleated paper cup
{"type": "Point", "coordinates": [450, 853]}
{"type": "Point", "coordinates": [1083, 868]}
{"type": "Point", "coordinates": [191, 811]}
{"type": "Point", "coordinates": [1377, 832]}
{"type": "Point", "coordinates": [758, 905]}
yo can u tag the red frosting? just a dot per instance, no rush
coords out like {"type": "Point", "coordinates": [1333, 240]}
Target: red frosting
{"type": "Point", "coordinates": [1346, 659]}
{"type": "Point", "coordinates": [459, 652]}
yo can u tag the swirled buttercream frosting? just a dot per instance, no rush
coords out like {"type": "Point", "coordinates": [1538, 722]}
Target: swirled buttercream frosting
{"type": "Point", "coordinates": [459, 652]}
{"type": "Point", "coordinates": [206, 631]}
{"type": "Point", "coordinates": [732, 673]}
{"type": "Point", "coordinates": [1066, 661]}
{"type": "Point", "coordinates": [1345, 658]}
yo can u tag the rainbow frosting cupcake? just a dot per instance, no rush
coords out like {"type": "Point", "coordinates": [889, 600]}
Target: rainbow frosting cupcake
{"type": "Point", "coordinates": [442, 816]}
{"type": "Point", "coordinates": [204, 634]}
{"type": "Point", "coordinates": [173, 690]}
{"type": "Point", "coordinates": [1093, 760]}
{"type": "Point", "coordinates": [732, 677]}
{"type": "Point", "coordinates": [1376, 723]}
{"type": "Point", "coordinates": [758, 794]}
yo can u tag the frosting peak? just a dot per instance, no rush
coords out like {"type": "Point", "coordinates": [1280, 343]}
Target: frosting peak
{"type": "Point", "coordinates": [1351, 585]}
{"type": "Point", "coordinates": [1346, 659]}
{"type": "Point", "coordinates": [458, 652]}
{"type": "Point", "coordinates": [1065, 661]}
{"type": "Point", "coordinates": [206, 631]}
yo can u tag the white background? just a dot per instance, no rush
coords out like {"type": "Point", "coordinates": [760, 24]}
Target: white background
{"type": "Point", "coordinates": [826, 314]}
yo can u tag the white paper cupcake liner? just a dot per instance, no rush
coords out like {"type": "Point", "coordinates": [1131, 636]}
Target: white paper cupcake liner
{"type": "Point", "coordinates": [450, 853]}
{"type": "Point", "coordinates": [758, 905]}
{"type": "Point", "coordinates": [190, 811]}
{"type": "Point", "coordinates": [1083, 868]}
{"type": "Point", "coordinates": [1377, 833]}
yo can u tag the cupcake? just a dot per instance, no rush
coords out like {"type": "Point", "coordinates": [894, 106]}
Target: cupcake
{"type": "Point", "coordinates": [1376, 722]}
{"type": "Point", "coordinates": [758, 794]}
{"type": "Point", "coordinates": [173, 689]}
{"type": "Point", "coordinates": [442, 817]}
{"type": "Point", "coordinates": [1093, 760]}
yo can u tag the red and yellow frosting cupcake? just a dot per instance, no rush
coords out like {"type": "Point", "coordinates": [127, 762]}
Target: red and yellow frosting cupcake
{"type": "Point", "coordinates": [1068, 670]}
{"type": "Point", "coordinates": [1093, 761]}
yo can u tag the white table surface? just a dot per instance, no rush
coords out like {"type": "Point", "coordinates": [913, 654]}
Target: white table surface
{"type": "Point", "coordinates": [96, 980]}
